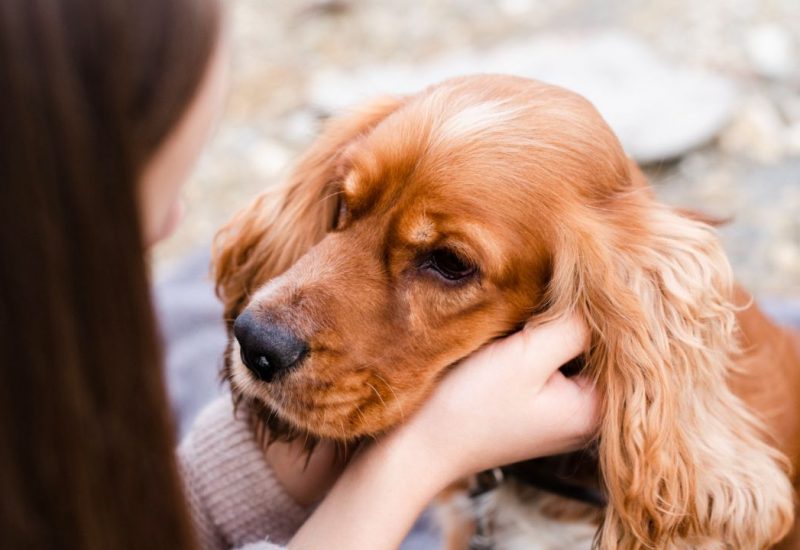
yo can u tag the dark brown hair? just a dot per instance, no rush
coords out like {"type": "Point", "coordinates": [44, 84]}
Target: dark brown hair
{"type": "Point", "coordinates": [88, 90]}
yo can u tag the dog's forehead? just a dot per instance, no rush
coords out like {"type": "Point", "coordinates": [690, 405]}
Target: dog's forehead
{"type": "Point", "coordinates": [432, 146]}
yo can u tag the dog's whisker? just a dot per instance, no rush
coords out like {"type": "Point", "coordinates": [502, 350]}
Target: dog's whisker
{"type": "Point", "coordinates": [364, 419]}
{"type": "Point", "coordinates": [330, 195]}
{"type": "Point", "coordinates": [359, 411]}
{"type": "Point", "coordinates": [373, 388]}
{"type": "Point", "coordinates": [394, 393]}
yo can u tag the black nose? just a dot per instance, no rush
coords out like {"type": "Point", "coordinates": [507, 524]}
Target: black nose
{"type": "Point", "coordinates": [268, 349]}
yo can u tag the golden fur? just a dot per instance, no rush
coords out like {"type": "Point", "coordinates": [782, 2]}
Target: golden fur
{"type": "Point", "coordinates": [526, 183]}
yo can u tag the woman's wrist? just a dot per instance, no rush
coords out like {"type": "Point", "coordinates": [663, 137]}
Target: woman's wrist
{"type": "Point", "coordinates": [423, 467]}
{"type": "Point", "coordinates": [378, 498]}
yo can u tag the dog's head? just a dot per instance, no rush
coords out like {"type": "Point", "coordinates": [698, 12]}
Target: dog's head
{"type": "Point", "coordinates": [434, 219]}
{"type": "Point", "coordinates": [420, 228]}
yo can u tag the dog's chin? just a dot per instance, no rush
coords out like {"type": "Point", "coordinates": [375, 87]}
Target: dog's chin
{"type": "Point", "coordinates": [271, 425]}
{"type": "Point", "coordinates": [278, 413]}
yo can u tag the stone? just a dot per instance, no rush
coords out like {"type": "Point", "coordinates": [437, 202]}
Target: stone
{"type": "Point", "coordinates": [757, 132]}
{"type": "Point", "coordinates": [770, 51]}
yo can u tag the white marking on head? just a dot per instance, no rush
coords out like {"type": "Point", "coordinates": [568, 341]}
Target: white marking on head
{"type": "Point", "coordinates": [475, 119]}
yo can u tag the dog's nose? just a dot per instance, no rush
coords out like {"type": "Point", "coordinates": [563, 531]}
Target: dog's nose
{"type": "Point", "coordinates": [268, 349]}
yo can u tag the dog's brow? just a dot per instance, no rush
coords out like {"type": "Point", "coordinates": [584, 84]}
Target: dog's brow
{"type": "Point", "coordinates": [421, 231]}
{"type": "Point", "coordinates": [351, 184]}
{"type": "Point", "coordinates": [478, 243]}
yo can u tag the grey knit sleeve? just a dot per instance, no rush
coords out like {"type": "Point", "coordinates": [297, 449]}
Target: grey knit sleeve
{"type": "Point", "coordinates": [235, 498]}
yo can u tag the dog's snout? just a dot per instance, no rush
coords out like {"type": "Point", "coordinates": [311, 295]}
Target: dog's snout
{"type": "Point", "coordinates": [268, 349]}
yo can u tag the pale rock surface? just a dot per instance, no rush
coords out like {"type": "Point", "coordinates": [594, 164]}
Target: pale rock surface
{"type": "Point", "coordinates": [659, 111]}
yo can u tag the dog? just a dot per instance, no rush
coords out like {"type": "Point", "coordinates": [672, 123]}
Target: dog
{"type": "Point", "coordinates": [417, 229]}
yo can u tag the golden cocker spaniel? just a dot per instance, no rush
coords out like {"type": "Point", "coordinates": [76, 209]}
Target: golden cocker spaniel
{"type": "Point", "coordinates": [419, 228]}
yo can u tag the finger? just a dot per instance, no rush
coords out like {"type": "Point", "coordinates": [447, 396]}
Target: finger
{"type": "Point", "coordinates": [546, 347]}
{"type": "Point", "coordinates": [583, 381]}
{"type": "Point", "coordinates": [574, 399]}
{"type": "Point", "coordinates": [562, 339]}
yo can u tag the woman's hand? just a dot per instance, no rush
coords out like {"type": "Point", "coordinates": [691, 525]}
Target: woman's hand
{"type": "Point", "coordinates": [507, 402]}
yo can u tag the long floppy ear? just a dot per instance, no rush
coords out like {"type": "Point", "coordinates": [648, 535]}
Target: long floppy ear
{"type": "Point", "coordinates": [685, 463]}
{"type": "Point", "coordinates": [268, 236]}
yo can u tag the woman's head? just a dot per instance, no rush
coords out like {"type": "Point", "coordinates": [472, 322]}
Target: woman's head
{"type": "Point", "coordinates": [93, 91]}
{"type": "Point", "coordinates": [167, 169]}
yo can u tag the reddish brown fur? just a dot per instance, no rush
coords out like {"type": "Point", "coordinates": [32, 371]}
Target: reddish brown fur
{"type": "Point", "coordinates": [526, 182]}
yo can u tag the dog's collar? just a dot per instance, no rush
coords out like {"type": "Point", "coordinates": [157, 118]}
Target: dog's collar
{"type": "Point", "coordinates": [552, 483]}
{"type": "Point", "coordinates": [480, 484]}
{"type": "Point", "coordinates": [489, 480]}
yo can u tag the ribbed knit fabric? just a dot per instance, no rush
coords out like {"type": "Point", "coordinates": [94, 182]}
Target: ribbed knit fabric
{"type": "Point", "coordinates": [235, 498]}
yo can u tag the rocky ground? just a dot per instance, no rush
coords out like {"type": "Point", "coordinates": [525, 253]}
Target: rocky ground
{"type": "Point", "coordinates": [748, 171]}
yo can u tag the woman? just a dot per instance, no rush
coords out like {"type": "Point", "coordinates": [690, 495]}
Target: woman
{"type": "Point", "coordinates": [104, 107]}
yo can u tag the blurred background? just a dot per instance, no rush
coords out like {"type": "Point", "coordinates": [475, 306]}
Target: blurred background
{"type": "Point", "coordinates": [705, 94]}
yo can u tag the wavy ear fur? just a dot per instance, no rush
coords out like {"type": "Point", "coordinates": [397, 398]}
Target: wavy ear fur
{"type": "Point", "coordinates": [268, 236]}
{"type": "Point", "coordinates": [685, 463]}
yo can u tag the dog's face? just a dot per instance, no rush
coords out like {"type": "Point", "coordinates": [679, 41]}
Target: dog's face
{"type": "Point", "coordinates": [416, 230]}
{"type": "Point", "coordinates": [419, 270]}
{"type": "Point", "coordinates": [438, 245]}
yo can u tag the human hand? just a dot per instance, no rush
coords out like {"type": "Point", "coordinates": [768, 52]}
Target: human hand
{"type": "Point", "coordinates": [506, 403]}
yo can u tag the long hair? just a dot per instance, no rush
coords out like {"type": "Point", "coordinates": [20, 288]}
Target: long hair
{"type": "Point", "coordinates": [88, 91]}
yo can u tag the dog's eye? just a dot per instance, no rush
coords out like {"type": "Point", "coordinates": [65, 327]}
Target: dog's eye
{"type": "Point", "coordinates": [448, 265]}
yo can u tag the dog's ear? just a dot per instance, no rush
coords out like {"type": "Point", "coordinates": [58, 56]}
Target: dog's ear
{"type": "Point", "coordinates": [684, 462]}
{"type": "Point", "coordinates": [267, 237]}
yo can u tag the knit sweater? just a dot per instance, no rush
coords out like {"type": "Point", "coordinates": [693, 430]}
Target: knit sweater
{"type": "Point", "coordinates": [235, 498]}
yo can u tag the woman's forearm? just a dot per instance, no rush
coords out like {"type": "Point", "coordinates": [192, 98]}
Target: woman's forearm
{"type": "Point", "coordinates": [377, 499]}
